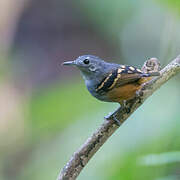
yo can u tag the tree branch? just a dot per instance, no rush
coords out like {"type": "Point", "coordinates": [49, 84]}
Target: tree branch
{"type": "Point", "coordinates": [81, 157]}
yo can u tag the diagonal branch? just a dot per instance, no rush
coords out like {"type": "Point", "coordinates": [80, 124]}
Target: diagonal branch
{"type": "Point", "coordinates": [81, 157]}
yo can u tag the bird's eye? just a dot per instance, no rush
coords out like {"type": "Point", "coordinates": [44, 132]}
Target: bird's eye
{"type": "Point", "coordinates": [86, 61]}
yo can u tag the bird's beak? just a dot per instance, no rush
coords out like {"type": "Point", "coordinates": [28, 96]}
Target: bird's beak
{"type": "Point", "coordinates": [69, 63]}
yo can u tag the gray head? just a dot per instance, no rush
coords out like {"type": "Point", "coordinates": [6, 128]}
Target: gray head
{"type": "Point", "coordinates": [91, 67]}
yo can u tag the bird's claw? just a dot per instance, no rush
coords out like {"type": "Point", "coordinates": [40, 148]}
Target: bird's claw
{"type": "Point", "coordinates": [116, 120]}
{"type": "Point", "coordinates": [112, 116]}
{"type": "Point", "coordinates": [108, 117]}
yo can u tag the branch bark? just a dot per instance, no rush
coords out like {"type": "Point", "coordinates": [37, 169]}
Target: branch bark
{"type": "Point", "coordinates": [81, 157]}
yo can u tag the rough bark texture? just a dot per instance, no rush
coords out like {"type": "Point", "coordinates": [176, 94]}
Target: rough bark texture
{"type": "Point", "coordinates": [81, 157]}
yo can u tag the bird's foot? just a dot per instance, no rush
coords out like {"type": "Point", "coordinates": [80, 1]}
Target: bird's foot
{"type": "Point", "coordinates": [112, 116]}
{"type": "Point", "coordinates": [116, 120]}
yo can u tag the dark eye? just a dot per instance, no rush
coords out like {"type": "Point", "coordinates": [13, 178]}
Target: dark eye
{"type": "Point", "coordinates": [86, 61]}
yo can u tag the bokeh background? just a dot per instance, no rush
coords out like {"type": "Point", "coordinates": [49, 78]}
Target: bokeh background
{"type": "Point", "coordinates": [46, 113]}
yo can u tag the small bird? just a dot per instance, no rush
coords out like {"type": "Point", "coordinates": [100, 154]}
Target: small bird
{"type": "Point", "coordinates": [110, 82]}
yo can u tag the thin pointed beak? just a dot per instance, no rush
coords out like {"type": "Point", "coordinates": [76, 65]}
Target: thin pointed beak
{"type": "Point", "coordinates": [69, 63]}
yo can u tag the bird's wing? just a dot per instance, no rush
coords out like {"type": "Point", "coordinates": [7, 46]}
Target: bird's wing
{"type": "Point", "coordinates": [119, 76]}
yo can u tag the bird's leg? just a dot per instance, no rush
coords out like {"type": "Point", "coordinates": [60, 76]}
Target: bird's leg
{"type": "Point", "coordinates": [113, 115]}
{"type": "Point", "coordinates": [116, 120]}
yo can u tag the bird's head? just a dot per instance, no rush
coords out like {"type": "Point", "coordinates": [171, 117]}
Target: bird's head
{"type": "Point", "coordinates": [89, 65]}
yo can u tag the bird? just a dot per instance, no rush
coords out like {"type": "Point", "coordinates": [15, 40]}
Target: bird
{"type": "Point", "coordinates": [110, 82]}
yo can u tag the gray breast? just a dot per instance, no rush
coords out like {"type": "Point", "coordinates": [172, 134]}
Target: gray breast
{"type": "Point", "coordinates": [100, 95]}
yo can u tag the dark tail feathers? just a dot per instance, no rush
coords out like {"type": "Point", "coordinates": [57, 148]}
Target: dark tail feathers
{"type": "Point", "coordinates": [150, 74]}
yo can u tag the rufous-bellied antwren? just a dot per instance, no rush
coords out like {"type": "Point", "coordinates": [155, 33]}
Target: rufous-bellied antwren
{"type": "Point", "coordinates": [110, 82]}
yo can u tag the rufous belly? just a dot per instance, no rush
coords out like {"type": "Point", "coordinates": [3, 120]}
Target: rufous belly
{"type": "Point", "coordinates": [127, 91]}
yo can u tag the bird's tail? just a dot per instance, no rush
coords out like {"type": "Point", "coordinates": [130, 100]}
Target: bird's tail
{"type": "Point", "coordinates": [151, 74]}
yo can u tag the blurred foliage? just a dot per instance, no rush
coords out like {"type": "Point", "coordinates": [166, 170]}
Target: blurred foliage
{"type": "Point", "coordinates": [140, 164]}
{"type": "Point", "coordinates": [108, 17]}
{"type": "Point", "coordinates": [53, 109]}
{"type": "Point", "coordinates": [173, 5]}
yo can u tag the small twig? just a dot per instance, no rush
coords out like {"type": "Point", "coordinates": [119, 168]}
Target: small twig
{"type": "Point", "coordinates": [81, 157]}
